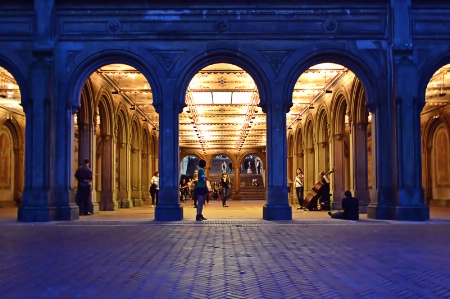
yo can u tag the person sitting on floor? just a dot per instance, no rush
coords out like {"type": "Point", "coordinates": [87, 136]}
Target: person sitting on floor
{"type": "Point", "coordinates": [350, 206]}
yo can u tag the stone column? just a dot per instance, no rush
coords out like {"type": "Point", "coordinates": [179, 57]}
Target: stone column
{"type": "Point", "coordinates": [43, 198]}
{"type": "Point", "coordinates": [410, 205]}
{"type": "Point", "coordinates": [35, 201]}
{"type": "Point", "coordinates": [339, 175]}
{"type": "Point", "coordinates": [168, 208]}
{"type": "Point", "coordinates": [383, 149]}
{"type": "Point", "coordinates": [359, 165]}
{"type": "Point", "coordinates": [277, 205]}
{"type": "Point", "coordinates": [145, 178]}
{"type": "Point", "coordinates": [136, 177]}
{"type": "Point", "coordinates": [107, 201]}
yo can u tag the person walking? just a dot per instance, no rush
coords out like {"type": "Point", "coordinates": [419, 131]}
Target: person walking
{"type": "Point", "coordinates": [224, 181]}
{"type": "Point", "coordinates": [83, 195]}
{"type": "Point", "coordinates": [201, 190]}
{"type": "Point", "coordinates": [154, 189]}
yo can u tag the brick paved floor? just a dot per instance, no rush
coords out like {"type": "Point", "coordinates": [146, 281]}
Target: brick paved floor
{"type": "Point", "coordinates": [125, 254]}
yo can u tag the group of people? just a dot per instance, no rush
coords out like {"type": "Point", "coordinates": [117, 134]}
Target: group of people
{"type": "Point", "coordinates": [249, 166]}
{"type": "Point", "coordinates": [200, 189]}
{"type": "Point", "coordinates": [321, 201]}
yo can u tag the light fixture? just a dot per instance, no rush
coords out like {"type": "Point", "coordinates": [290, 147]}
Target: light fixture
{"type": "Point", "coordinates": [436, 116]}
{"type": "Point", "coordinates": [442, 94]}
{"type": "Point", "coordinates": [133, 107]}
{"type": "Point", "coordinates": [311, 106]}
{"type": "Point", "coordinates": [328, 91]}
{"type": "Point", "coordinates": [144, 119]}
{"type": "Point", "coordinates": [115, 91]}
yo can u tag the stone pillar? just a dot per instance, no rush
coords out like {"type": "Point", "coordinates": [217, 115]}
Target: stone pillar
{"type": "Point", "coordinates": [107, 200]}
{"type": "Point", "coordinates": [339, 175]}
{"type": "Point", "coordinates": [136, 177]}
{"type": "Point", "coordinates": [383, 149]}
{"type": "Point", "coordinates": [145, 173]}
{"type": "Point", "coordinates": [411, 205]}
{"type": "Point", "coordinates": [44, 198]}
{"type": "Point", "coordinates": [277, 206]}
{"type": "Point", "coordinates": [35, 202]}
{"type": "Point", "coordinates": [309, 171]}
{"type": "Point", "coordinates": [359, 164]}
{"type": "Point", "coordinates": [168, 208]}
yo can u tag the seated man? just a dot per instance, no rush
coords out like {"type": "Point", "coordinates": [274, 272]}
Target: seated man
{"type": "Point", "coordinates": [350, 206]}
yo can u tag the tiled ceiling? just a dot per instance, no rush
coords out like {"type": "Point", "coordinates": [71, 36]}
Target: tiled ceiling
{"type": "Point", "coordinates": [222, 101]}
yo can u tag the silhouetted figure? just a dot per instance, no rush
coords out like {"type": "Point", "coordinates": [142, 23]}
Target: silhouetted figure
{"type": "Point", "coordinates": [83, 196]}
{"type": "Point", "coordinates": [350, 207]}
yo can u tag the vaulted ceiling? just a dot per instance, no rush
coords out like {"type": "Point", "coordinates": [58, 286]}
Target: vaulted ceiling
{"type": "Point", "coordinates": [222, 101]}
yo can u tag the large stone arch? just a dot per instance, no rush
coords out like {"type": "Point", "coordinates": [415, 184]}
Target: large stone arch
{"type": "Point", "coordinates": [16, 126]}
{"type": "Point", "coordinates": [339, 142]}
{"type": "Point", "coordinates": [356, 64]}
{"type": "Point", "coordinates": [434, 194]}
{"type": "Point", "coordinates": [322, 138]}
{"type": "Point", "coordinates": [93, 61]}
{"type": "Point", "coordinates": [204, 59]}
{"type": "Point", "coordinates": [310, 170]}
{"type": "Point", "coordinates": [122, 159]}
{"type": "Point", "coordinates": [427, 70]}
{"type": "Point", "coordinates": [17, 69]}
{"type": "Point", "coordinates": [17, 161]}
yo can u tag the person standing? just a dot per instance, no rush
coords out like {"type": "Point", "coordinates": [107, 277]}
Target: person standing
{"type": "Point", "coordinates": [224, 167]}
{"type": "Point", "coordinates": [299, 181]}
{"type": "Point", "coordinates": [230, 167]}
{"type": "Point", "coordinates": [249, 167]}
{"type": "Point", "coordinates": [258, 166]}
{"type": "Point", "coordinates": [184, 190]}
{"type": "Point", "coordinates": [350, 207]}
{"type": "Point", "coordinates": [83, 196]}
{"type": "Point", "coordinates": [200, 190]}
{"type": "Point", "coordinates": [224, 181]}
{"type": "Point", "coordinates": [154, 189]}
{"type": "Point", "coordinates": [209, 194]}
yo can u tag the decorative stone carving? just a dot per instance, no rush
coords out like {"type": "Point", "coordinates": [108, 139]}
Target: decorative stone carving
{"type": "Point", "coordinates": [222, 26]}
{"type": "Point", "coordinates": [167, 58]}
{"type": "Point", "coordinates": [113, 26]}
{"type": "Point", "coordinates": [330, 25]}
{"type": "Point", "coordinates": [275, 58]}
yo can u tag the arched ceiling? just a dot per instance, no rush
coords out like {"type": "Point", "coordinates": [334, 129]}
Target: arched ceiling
{"type": "Point", "coordinates": [222, 101]}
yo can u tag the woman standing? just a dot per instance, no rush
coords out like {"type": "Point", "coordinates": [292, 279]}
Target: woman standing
{"type": "Point", "coordinates": [299, 180]}
{"type": "Point", "coordinates": [154, 189]}
{"type": "Point", "coordinates": [200, 189]}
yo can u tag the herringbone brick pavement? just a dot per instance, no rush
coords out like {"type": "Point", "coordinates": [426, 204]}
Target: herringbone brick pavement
{"type": "Point", "coordinates": [225, 259]}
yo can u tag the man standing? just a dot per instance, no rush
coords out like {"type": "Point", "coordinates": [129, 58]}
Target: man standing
{"type": "Point", "coordinates": [258, 166]}
{"type": "Point", "coordinates": [224, 181]}
{"type": "Point", "coordinates": [83, 196]}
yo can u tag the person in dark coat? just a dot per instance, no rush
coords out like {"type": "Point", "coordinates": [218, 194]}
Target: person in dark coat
{"type": "Point", "coordinates": [83, 196]}
{"type": "Point", "coordinates": [350, 207]}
